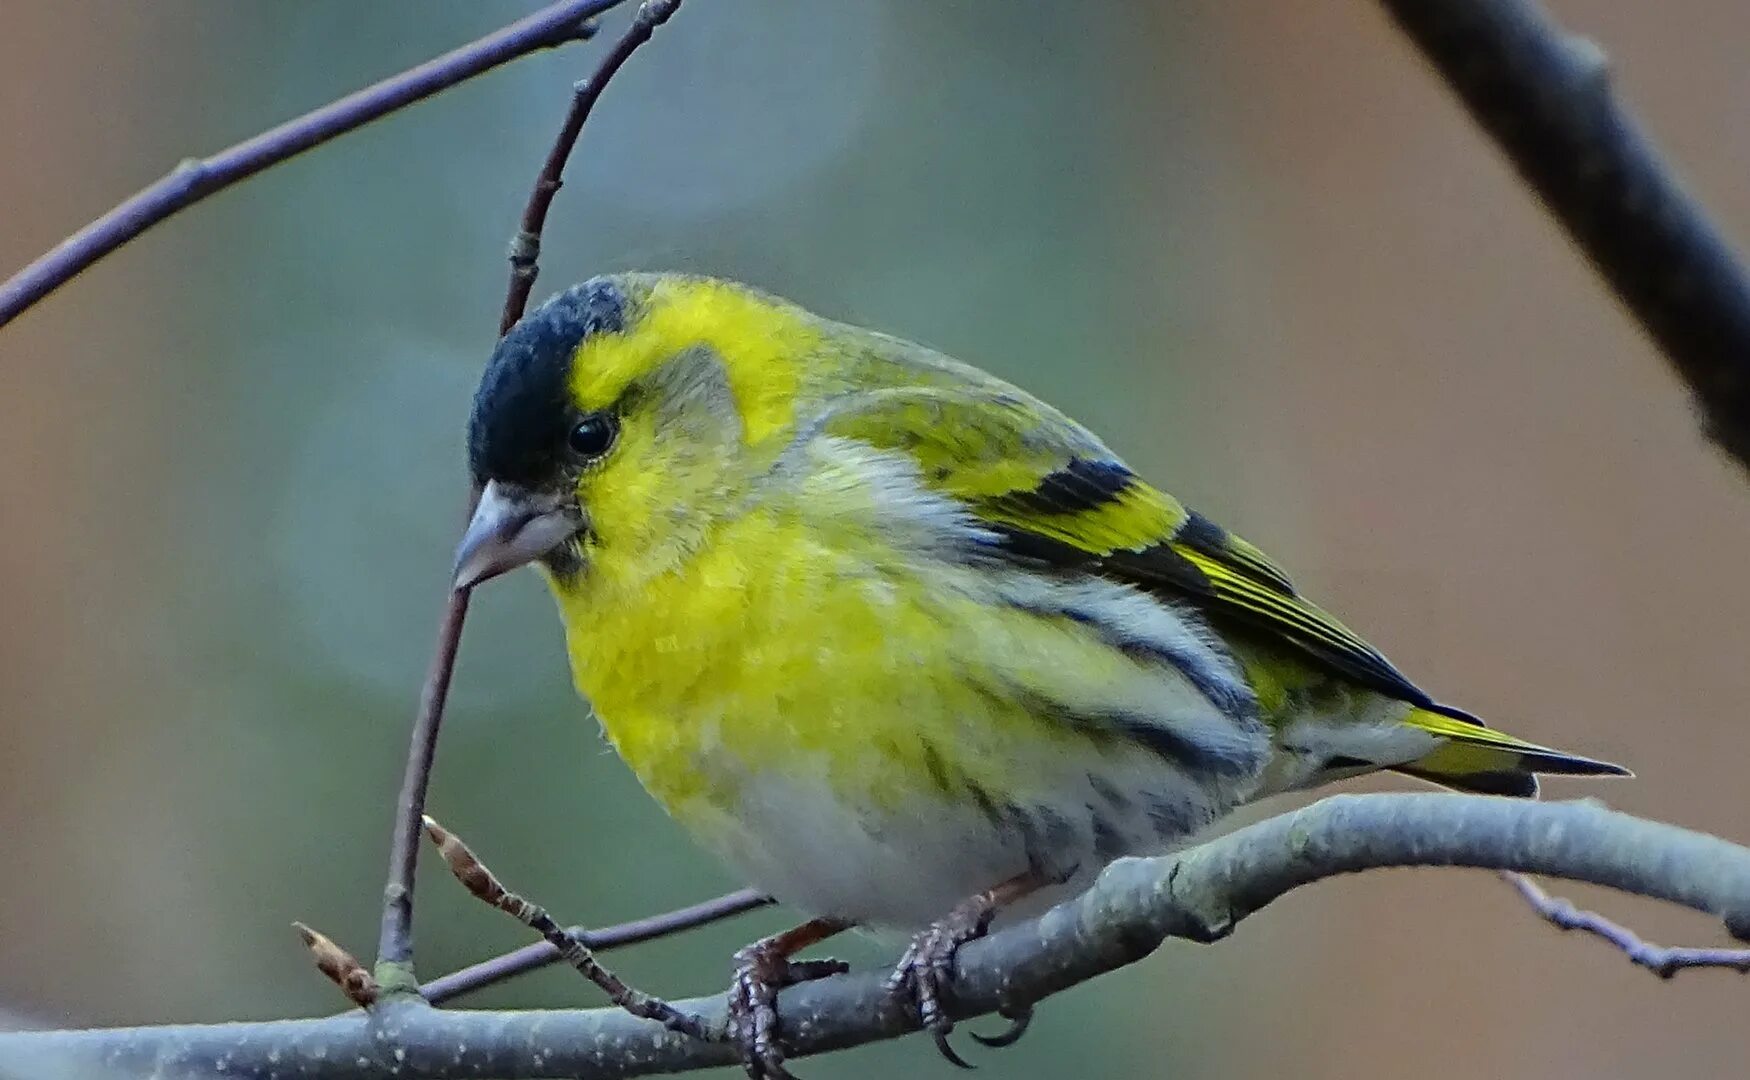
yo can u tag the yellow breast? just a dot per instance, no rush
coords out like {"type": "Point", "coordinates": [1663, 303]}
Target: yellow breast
{"type": "Point", "coordinates": [819, 654]}
{"type": "Point", "coordinates": [750, 654]}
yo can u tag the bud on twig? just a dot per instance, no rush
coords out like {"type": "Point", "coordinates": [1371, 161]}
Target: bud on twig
{"type": "Point", "coordinates": [465, 865]}
{"type": "Point", "coordinates": [341, 967]}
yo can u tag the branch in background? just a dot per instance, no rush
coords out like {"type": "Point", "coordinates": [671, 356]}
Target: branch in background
{"type": "Point", "coordinates": [1200, 894]}
{"type": "Point", "coordinates": [1658, 959]}
{"type": "Point", "coordinates": [197, 178]}
{"type": "Point", "coordinates": [394, 969]}
{"type": "Point", "coordinates": [533, 957]}
{"type": "Point", "coordinates": [525, 247]}
{"type": "Point", "coordinates": [1544, 95]}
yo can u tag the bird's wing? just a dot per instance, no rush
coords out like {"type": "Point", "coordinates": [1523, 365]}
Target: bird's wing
{"type": "Point", "coordinates": [1055, 497]}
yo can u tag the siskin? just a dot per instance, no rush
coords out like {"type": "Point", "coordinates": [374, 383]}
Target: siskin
{"type": "Point", "coordinates": [900, 642]}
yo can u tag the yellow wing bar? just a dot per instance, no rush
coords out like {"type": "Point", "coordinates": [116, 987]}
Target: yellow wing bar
{"type": "Point", "coordinates": [1057, 497]}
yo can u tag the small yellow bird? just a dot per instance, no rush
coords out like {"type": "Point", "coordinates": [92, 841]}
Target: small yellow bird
{"type": "Point", "coordinates": [900, 642]}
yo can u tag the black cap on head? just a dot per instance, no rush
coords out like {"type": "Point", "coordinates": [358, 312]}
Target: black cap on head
{"type": "Point", "coordinates": [521, 411]}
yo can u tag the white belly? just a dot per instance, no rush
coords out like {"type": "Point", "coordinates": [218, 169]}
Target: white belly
{"type": "Point", "coordinates": [906, 867]}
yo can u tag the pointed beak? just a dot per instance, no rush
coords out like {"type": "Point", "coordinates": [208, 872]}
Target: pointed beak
{"type": "Point", "coordinates": [511, 528]}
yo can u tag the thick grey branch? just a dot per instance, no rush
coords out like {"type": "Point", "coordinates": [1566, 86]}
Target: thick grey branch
{"type": "Point", "coordinates": [1544, 95]}
{"type": "Point", "coordinates": [1136, 904]}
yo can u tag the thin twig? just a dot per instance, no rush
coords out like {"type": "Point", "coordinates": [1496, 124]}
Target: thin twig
{"type": "Point", "coordinates": [1201, 893]}
{"type": "Point", "coordinates": [1544, 95]}
{"type": "Point", "coordinates": [525, 246]}
{"type": "Point", "coordinates": [1663, 961]}
{"type": "Point", "coordinates": [394, 968]}
{"type": "Point", "coordinates": [533, 957]}
{"type": "Point", "coordinates": [197, 178]}
{"type": "Point", "coordinates": [484, 885]}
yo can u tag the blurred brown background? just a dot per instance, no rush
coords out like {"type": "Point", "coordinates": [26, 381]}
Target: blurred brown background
{"type": "Point", "coordinates": [1257, 245]}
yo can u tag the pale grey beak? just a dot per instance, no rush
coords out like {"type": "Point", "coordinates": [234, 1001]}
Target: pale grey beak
{"type": "Point", "coordinates": [511, 528]}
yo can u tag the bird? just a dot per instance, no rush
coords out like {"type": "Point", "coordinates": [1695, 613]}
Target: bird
{"type": "Point", "coordinates": [905, 646]}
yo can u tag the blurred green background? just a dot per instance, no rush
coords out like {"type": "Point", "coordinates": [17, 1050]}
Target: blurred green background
{"type": "Point", "coordinates": [1255, 244]}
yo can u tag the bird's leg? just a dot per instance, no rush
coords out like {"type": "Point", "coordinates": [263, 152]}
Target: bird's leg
{"type": "Point", "coordinates": [761, 970]}
{"type": "Point", "coordinates": [926, 971]}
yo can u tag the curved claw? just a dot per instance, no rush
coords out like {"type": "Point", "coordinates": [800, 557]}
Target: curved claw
{"type": "Point", "coordinates": [924, 976]}
{"type": "Point", "coordinates": [1019, 1020]}
{"type": "Point", "coordinates": [946, 1049]}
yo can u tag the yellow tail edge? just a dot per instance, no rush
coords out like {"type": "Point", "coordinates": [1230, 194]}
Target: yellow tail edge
{"type": "Point", "coordinates": [1485, 761]}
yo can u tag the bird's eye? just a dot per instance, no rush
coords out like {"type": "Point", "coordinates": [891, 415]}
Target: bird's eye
{"type": "Point", "coordinates": [593, 435]}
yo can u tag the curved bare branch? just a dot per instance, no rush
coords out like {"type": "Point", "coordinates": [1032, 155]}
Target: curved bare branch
{"type": "Point", "coordinates": [1200, 894]}
{"type": "Point", "coordinates": [196, 178]}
